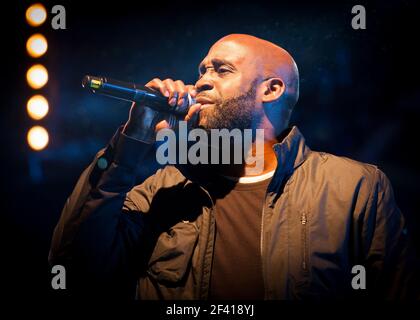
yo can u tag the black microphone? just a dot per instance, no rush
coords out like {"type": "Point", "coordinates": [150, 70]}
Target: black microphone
{"type": "Point", "coordinates": [132, 92]}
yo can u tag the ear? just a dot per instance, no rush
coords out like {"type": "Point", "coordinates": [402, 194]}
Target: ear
{"type": "Point", "coordinates": [273, 88]}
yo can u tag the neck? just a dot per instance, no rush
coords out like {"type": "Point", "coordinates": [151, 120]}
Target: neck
{"type": "Point", "coordinates": [260, 159]}
{"type": "Point", "coordinates": [267, 157]}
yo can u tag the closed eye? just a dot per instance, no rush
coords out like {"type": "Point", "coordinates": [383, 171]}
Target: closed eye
{"type": "Point", "coordinates": [221, 66]}
{"type": "Point", "coordinates": [223, 70]}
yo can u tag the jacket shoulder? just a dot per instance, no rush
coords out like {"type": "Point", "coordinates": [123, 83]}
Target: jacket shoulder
{"type": "Point", "coordinates": [344, 168]}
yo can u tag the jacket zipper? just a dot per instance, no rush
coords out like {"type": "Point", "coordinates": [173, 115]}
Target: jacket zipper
{"type": "Point", "coordinates": [207, 243]}
{"type": "Point", "coordinates": [304, 221]}
{"type": "Point", "coordinates": [261, 246]}
{"type": "Point", "coordinates": [262, 239]}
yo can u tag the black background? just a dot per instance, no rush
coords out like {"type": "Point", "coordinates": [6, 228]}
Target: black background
{"type": "Point", "coordinates": [359, 96]}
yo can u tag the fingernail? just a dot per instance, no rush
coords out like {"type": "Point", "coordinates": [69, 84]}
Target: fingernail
{"type": "Point", "coordinates": [172, 102]}
{"type": "Point", "coordinates": [166, 93]}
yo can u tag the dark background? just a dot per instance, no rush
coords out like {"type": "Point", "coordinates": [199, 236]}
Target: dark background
{"type": "Point", "coordinates": [359, 96]}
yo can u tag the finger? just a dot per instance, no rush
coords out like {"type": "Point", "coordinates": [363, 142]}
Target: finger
{"type": "Point", "coordinates": [195, 108]}
{"type": "Point", "coordinates": [182, 94]}
{"type": "Point", "coordinates": [191, 90]}
{"type": "Point", "coordinates": [173, 94]}
{"type": "Point", "coordinates": [158, 84]}
{"type": "Point", "coordinates": [162, 125]}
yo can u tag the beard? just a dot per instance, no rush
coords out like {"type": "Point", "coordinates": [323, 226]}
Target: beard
{"type": "Point", "coordinates": [234, 113]}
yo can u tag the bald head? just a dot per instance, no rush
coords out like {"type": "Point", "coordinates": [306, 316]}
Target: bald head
{"type": "Point", "coordinates": [272, 61]}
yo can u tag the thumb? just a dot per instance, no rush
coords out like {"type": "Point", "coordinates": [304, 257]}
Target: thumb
{"type": "Point", "coordinates": [162, 125]}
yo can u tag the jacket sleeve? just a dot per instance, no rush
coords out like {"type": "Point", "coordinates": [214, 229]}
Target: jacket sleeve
{"type": "Point", "coordinates": [99, 234]}
{"type": "Point", "coordinates": [388, 252]}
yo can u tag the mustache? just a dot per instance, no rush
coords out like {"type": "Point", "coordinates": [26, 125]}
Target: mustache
{"type": "Point", "coordinates": [207, 97]}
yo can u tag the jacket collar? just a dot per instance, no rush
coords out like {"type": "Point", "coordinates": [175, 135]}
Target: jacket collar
{"type": "Point", "coordinates": [291, 152]}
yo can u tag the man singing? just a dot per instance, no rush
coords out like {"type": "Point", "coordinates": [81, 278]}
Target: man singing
{"type": "Point", "coordinates": [294, 230]}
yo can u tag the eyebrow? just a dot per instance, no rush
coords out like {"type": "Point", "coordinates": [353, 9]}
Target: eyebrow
{"type": "Point", "coordinates": [215, 62]}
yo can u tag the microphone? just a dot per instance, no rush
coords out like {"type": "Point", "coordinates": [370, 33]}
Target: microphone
{"type": "Point", "coordinates": [133, 92]}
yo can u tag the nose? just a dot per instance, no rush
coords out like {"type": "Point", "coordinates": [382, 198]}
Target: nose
{"type": "Point", "coordinates": [204, 83]}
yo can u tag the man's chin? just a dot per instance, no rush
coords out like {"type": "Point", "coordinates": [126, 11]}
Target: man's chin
{"type": "Point", "coordinates": [206, 117]}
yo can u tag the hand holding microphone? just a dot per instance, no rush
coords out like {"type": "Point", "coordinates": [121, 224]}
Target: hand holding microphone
{"type": "Point", "coordinates": [157, 105]}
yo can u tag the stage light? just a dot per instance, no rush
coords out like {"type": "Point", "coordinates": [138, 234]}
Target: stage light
{"type": "Point", "coordinates": [37, 138]}
{"type": "Point", "coordinates": [36, 15]}
{"type": "Point", "coordinates": [37, 76]}
{"type": "Point", "coordinates": [37, 107]}
{"type": "Point", "coordinates": [36, 45]}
